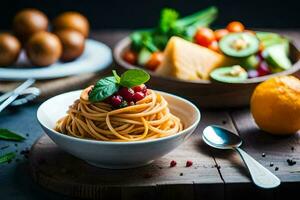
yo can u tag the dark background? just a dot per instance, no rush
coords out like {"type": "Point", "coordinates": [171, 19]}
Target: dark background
{"type": "Point", "coordinates": [116, 14]}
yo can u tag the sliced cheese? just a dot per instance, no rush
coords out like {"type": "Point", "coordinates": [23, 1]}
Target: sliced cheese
{"type": "Point", "coordinates": [188, 61]}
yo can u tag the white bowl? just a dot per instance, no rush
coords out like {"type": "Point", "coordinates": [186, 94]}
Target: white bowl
{"type": "Point", "coordinates": [116, 155]}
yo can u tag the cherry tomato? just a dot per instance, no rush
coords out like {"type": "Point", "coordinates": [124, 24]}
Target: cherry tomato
{"type": "Point", "coordinates": [130, 57]}
{"type": "Point", "coordinates": [214, 46]}
{"type": "Point", "coordinates": [204, 36]}
{"type": "Point", "coordinates": [154, 61]}
{"type": "Point", "coordinates": [235, 26]}
{"type": "Point", "coordinates": [220, 33]}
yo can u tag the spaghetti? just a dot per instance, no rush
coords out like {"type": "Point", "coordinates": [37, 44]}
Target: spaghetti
{"type": "Point", "coordinates": [149, 118]}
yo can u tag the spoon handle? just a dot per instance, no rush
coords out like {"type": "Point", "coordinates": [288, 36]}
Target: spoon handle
{"type": "Point", "coordinates": [260, 175]}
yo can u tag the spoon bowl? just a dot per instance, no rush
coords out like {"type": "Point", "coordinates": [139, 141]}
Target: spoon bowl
{"type": "Point", "coordinates": [220, 138]}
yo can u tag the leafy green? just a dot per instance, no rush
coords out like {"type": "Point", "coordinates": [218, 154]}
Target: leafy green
{"type": "Point", "coordinates": [107, 86]}
{"type": "Point", "coordinates": [170, 25]}
{"type": "Point", "coordinates": [104, 88]}
{"type": "Point", "coordinates": [6, 134]}
{"type": "Point", "coordinates": [134, 77]}
{"type": "Point", "coordinates": [7, 157]}
{"type": "Point", "coordinates": [167, 19]}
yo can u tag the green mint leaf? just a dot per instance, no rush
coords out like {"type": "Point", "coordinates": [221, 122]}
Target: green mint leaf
{"type": "Point", "coordinates": [104, 88]}
{"type": "Point", "coordinates": [134, 77]}
{"type": "Point", "coordinates": [7, 157]}
{"type": "Point", "coordinates": [117, 77]}
{"type": "Point", "coordinates": [6, 134]}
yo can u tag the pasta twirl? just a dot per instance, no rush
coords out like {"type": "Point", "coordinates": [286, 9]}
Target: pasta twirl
{"type": "Point", "coordinates": [149, 118]}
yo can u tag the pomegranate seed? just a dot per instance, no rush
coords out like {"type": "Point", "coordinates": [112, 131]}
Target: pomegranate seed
{"type": "Point", "coordinates": [126, 93]}
{"type": "Point", "coordinates": [189, 163]}
{"type": "Point", "coordinates": [173, 163]}
{"type": "Point", "coordinates": [138, 96]}
{"type": "Point", "coordinates": [263, 69]}
{"type": "Point", "coordinates": [116, 100]}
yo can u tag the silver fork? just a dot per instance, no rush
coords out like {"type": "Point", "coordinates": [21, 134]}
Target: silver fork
{"type": "Point", "coordinates": [9, 97]}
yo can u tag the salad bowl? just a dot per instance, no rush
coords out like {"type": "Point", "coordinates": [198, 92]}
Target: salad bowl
{"type": "Point", "coordinates": [205, 92]}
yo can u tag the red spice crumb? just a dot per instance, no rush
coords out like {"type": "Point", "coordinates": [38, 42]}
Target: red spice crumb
{"type": "Point", "coordinates": [189, 163]}
{"type": "Point", "coordinates": [173, 163]}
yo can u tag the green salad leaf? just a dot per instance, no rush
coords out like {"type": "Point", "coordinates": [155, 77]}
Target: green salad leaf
{"type": "Point", "coordinates": [167, 19]}
{"type": "Point", "coordinates": [169, 25]}
{"type": "Point", "coordinates": [104, 88]}
{"type": "Point", "coordinates": [7, 157]}
{"type": "Point", "coordinates": [107, 86]}
{"type": "Point", "coordinates": [6, 134]}
{"type": "Point", "coordinates": [134, 77]}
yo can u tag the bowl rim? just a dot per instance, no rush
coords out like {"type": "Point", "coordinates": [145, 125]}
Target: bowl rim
{"type": "Point", "coordinates": [124, 43]}
{"type": "Point", "coordinates": [192, 126]}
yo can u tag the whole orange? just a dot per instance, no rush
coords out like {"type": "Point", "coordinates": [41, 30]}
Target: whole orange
{"type": "Point", "coordinates": [275, 105]}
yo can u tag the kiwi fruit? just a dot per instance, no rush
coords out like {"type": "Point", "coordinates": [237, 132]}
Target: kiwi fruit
{"type": "Point", "coordinates": [73, 43]}
{"type": "Point", "coordinates": [10, 48]}
{"type": "Point", "coordinates": [72, 20]}
{"type": "Point", "coordinates": [43, 48]}
{"type": "Point", "coordinates": [29, 21]}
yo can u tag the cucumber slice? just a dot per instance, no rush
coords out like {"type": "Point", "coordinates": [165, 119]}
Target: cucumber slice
{"type": "Point", "coordinates": [233, 74]}
{"type": "Point", "coordinates": [239, 45]}
{"type": "Point", "coordinates": [277, 57]}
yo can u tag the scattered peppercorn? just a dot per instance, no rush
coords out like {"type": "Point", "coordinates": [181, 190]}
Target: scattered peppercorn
{"type": "Point", "coordinates": [263, 155]}
{"type": "Point", "coordinates": [217, 166]}
{"type": "Point", "coordinates": [224, 122]}
{"type": "Point", "coordinates": [291, 162]}
{"type": "Point", "coordinates": [181, 174]}
{"type": "Point", "coordinates": [27, 135]}
{"type": "Point", "coordinates": [25, 153]}
{"type": "Point", "coordinates": [271, 164]}
{"type": "Point", "coordinates": [173, 163]}
{"type": "Point", "coordinates": [276, 168]}
{"type": "Point", "coordinates": [16, 144]}
{"type": "Point", "coordinates": [292, 148]}
{"type": "Point", "coordinates": [189, 163]}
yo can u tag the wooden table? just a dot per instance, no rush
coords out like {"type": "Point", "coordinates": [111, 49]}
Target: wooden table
{"type": "Point", "coordinates": [214, 174]}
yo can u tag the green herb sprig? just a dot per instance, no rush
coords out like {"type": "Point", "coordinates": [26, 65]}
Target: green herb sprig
{"type": "Point", "coordinates": [7, 157]}
{"type": "Point", "coordinates": [107, 86]}
{"type": "Point", "coordinates": [6, 134]}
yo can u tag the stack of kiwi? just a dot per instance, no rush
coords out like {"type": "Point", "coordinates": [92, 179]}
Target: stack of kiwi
{"type": "Point", "coordinates": [65, 42]}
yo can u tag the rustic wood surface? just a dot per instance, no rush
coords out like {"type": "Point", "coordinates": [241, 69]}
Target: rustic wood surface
{"type": "Point", "coordinates": [201, 181]}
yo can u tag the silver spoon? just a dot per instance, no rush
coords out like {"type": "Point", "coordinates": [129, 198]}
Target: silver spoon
{"type": "Point", "coordinates": [221, 138]}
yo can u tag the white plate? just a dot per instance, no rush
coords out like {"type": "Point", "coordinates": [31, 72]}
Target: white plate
{"type": "Point", "coordinates": [96, 56]}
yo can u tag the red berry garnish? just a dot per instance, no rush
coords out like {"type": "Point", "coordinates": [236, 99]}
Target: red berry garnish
{"type": "Point", "coordinates": [173, 163]}
{"type": "Point", "coordinates": [189, 163]}
{"type": "Point", "coordinates": [138, 96]}
{"type": "Point", "coordinates": [126, 93]}
{"type": "Point", "coordinates": [116, 100]}
{"type": "Point", "coordinates": [138, 88]}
